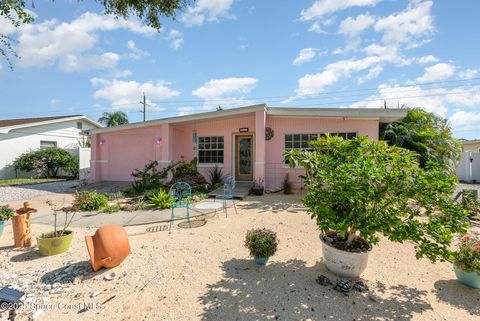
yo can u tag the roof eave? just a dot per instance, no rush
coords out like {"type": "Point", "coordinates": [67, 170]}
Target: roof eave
{"type": "Point", "coordinates": [6, 130]}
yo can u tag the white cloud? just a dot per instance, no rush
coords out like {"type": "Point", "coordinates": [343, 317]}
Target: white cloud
{"type": "Point", "coordinates": [120, 92]}
{"type": "Point", "coordinates": [305, 55]}
{"type": "Point", "coordinates": [176, 38]}
{"type": "Point", "coordinates": [206, 10]}
{"type": "Point", "coordinates": [469, 73]}
{"type": "Point", "coordinates": [352, 27]}
{"type": "Point", "coordinates": [321, 8]}
{"type": "Point", "coordinates": [227, 92]}
{"type": "Point", "coordinates": [412, 26]}
{"type": "Point", "coordinates": [464, 121]}
{"type": "Point", "coordinates": [427, 59]}
{"type": "Point", "coordinates": [315, 27]}
{"type": "Point", "coordinates": [67, 44]}
{"type": "Point", "coordinates": [440, 71]}
{"type": "Point", "coordinates": [135, 52]}
{"type": "Point", "coordinates": [372, 73]}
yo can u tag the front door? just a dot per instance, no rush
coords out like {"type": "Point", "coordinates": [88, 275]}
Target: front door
{"type": "Point", "coordinates": [244, 158]}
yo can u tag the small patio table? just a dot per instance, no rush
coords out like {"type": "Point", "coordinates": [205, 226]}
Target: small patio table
{"type": "Point", "coordinates": [209, 206]}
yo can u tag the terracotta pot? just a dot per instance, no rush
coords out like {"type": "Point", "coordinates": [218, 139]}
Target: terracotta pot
{"type": "Point", "coordinates": [108, 247]}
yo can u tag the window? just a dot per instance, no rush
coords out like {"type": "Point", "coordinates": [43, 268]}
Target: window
{"type": "Point", "coordinates": [47, 144]}
{"type": "Point", "coordinates": [210, 149]}
{"type": "Point", "coordinates": [79, 125]}
{"type": "Point", "coordinates": [298, 141]}
{"type": "Point", "coordinates": [351, 135]}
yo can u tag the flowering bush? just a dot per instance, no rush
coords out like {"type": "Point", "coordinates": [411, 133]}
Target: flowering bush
{"type": "Point", "coordinates": [6, 212]}
{"type": "Point", "coordinates": [468, 255]}
{"type": "Point", "coordinates": [261, 242]}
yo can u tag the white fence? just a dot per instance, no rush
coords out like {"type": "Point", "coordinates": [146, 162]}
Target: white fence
{"type": "Point", "coordinates": [469, 168]}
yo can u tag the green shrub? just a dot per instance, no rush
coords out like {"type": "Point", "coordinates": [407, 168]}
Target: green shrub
{"type": "Point", "coordinates": [90, 201]}
{"type": "Point", "coordinates": [362, 188]}
{"type": "Point", "coordinates": [216, 176]}
{"type": "Point", "coordinates": [111, 208]}
{"type": "Point", "coordinates": [47, 162]}
{"type": "Point", "coordinates": [6, 212]}
{"type": "Point", "coordinates": [261, 242]}
{"type": "Point", "coordinates": [468, 255]}
{"type": "Point", "coordinates": [161, 200]}
{"type": "Point", "coordinates": [149, 178]}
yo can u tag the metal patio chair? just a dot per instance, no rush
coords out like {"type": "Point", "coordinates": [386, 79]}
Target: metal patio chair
{"type": "Point", "coordinates": [181, 193]}
{"type": "Point", "coordinates": [228, 191]}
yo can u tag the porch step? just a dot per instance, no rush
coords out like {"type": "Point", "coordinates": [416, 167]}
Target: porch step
{"type": "Point", "coordinates": [241, 190]}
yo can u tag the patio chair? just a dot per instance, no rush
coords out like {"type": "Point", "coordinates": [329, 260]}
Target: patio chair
{"type": "Point", "coordinates": [180, 192]}
{"type": "Point", "coordinates": [228, 191]}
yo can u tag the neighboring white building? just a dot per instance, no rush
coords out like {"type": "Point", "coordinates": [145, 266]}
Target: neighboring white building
{"type": "Point", "coordinates": [18, 136]}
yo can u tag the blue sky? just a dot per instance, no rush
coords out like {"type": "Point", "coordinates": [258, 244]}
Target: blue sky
{"type": "Point", "coordinates": [324, 53]}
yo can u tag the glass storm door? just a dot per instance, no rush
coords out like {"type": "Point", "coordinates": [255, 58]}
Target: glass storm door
{"type": "Point", "coordinates": [244, 158]}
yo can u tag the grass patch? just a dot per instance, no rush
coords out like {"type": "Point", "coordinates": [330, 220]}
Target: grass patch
{"type": "Point", "coordinates": [26, 181]}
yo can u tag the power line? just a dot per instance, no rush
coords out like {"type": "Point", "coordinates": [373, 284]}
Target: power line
{"type": "Point", "coordinates": [311, 98]}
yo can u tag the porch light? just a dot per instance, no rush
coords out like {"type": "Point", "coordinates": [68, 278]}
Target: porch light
{"type": "Point", "coordinates": [158, 141]}
{"type": "Point", "coordinates": [194, 136]}
{"type": "Point", "coordinates": [102, 141]}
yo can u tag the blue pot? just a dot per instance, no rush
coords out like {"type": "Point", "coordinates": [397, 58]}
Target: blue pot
{"type": "Point", "coordinates": [471, 279]}
{"type": "Point", "coordinates": [261, 260]}
{"type": "Point", "coordinates": [1, 228]}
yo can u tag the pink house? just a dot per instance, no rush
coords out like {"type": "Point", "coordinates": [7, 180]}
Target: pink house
{"type": "Point", "coordinates": [246, 142]}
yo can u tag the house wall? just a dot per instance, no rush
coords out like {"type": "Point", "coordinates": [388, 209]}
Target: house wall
{"type": "Point", "coordinates": [19, 141]}
{"type": "Point", "coordinates": [275, 169]}
{"type": "Point", "coordinates": [471, 147]}
{"type": "Point", "coordinates": [116, 154]}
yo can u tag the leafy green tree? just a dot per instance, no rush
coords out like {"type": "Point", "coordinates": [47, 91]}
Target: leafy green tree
{"type": "Point", "coordinates": [149, 11]}
{"type": "Point", "coordinates": [113, 119]}
{"type": "Point", "coordinates": [426, 134]}
{"type": "Point", "coordinates": [47, 162]}
{"type": "Point", "coordinates": [364, 188]}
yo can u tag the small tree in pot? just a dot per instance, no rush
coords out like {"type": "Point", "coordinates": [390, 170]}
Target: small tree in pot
{"type": "Point", "coordinates": [359, 188]}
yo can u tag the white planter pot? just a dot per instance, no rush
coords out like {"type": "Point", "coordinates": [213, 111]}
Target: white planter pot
{"type": "Point", "coordinates": [342, 263]}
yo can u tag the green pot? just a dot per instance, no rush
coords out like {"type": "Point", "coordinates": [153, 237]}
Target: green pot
{"type": "Point", "coordinates": [261, 260]}
{"type": "Point", "coordinates": [54, 245]}
{"type": "Point", "coordinates": [471, 279]}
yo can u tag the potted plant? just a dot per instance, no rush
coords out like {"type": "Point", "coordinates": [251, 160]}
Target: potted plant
{"type": "Point", "coordinates": [358, 189]}
{"type": "Point", "coordinates": [6, 213]}
{"type": "Point", "coordinates": [262, 244]}
{"type": "Point", "coordinates": [59, 240]}
{"type": "Point", "coordinates": [466, 262]}
{"type": "Point", "coordinates": [258, 188]}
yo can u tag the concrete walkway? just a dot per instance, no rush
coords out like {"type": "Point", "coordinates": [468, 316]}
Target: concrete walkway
{"type": "Point", "coordinates": [94, 219]}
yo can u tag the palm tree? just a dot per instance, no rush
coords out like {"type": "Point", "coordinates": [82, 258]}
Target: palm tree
{"type": "Point", "coordinates": [113, 119]}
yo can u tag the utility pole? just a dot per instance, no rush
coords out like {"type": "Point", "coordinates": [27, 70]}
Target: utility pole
{"type": "Point", "coordinates": [144, 103]}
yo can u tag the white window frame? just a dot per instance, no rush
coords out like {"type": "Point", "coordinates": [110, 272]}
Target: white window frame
{"type": "Point", "coordinates": [53, 142]}
{"type": "Point", "coordinates": [210, 164]}
{"type": "Point", "coordinates": [303, 148]}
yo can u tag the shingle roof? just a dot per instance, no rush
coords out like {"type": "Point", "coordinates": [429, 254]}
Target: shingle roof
{"type": "Point", "coordinates": [23, 121]}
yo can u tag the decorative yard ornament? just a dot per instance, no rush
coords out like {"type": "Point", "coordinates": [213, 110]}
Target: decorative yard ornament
{"type": "Point", "coordinates": [108, 247]}
{"type": "Point", "coordinates": [268, 133]}
{"type": "Point", "coordinates": [22, 232]}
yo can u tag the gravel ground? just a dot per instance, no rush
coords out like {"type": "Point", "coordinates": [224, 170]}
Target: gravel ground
{"type": "Point", "coordinates": [25, 192]}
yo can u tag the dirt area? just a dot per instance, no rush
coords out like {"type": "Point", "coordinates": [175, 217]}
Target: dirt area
{"type": "Point", "coordinates": [205, 274]}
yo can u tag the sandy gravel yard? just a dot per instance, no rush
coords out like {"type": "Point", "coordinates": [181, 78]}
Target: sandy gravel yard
{"type": "Point", "coordinates": [205, 273]}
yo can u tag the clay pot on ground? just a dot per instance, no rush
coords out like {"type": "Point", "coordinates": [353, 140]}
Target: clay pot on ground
{"type": "Point", "coordinates": [108, 247]}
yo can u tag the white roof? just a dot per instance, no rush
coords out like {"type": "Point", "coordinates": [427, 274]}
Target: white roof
{"type": "Point", "coordinates": [383, 115]}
